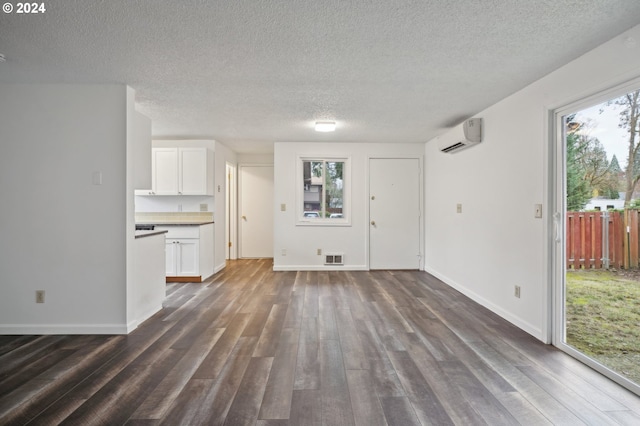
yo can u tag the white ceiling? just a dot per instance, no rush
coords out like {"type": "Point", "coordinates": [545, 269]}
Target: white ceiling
{"type": "Point", "coordinates": [248, 73]}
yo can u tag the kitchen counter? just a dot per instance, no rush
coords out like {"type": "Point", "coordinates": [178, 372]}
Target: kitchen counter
{"type": "Point", "coordinates": [148, 287]}
{"type": "Point", "coordinates": [175, 223]}
{"type": "Point", "coordinates": [142, 234]}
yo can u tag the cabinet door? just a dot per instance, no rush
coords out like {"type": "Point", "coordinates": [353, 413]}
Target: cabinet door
{"type": "Point", "coordinates": [171, 253]}
{"type": "Point", "coordinates": [193, 171]}
{"type": "Point", "coordinates": [187, 257]}
{"type": "Point", "coordinates": [164, 171]}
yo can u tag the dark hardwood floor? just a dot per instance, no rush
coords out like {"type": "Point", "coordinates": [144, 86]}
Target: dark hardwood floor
{"type": "Point", "coordinates": [253, 346]}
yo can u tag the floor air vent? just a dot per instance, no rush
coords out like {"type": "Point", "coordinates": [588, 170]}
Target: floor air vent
{"type": "Point", "coordinates": [333, 259]}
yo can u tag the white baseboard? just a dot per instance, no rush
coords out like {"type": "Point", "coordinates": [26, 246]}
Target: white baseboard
{"type": "Point", "coordinates": [320, 268]}
{"type": "Point", "coordinates": [135, 323]}
{"type": "Point", "coordinates": [36, 329]}
{"type": "Point", "coordinates": [513, 319]}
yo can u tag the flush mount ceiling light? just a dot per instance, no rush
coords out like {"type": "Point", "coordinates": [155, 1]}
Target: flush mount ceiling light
{"type": "Point", "coordinates": [325, 126]}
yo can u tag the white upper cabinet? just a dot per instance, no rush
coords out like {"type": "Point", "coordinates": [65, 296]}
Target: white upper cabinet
{"type": "Point", "coordinates": [192, 176]}
{"type": "Point", "coordinates": [164, 171]}
{"type": "Point", "coordinates": [181, 171]}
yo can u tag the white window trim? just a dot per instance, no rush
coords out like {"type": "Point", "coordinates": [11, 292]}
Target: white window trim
{"type": "Point", "coordinates": [346, 201]}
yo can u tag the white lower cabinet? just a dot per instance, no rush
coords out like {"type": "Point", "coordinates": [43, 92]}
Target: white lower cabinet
{"type": "Point", "coordinates": [189, 252]}
{"type": "Point", "coordinates": [182, 257]}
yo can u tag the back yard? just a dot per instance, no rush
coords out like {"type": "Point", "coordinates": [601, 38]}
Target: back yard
{"type": "Point", "coordinates": [603, 318]}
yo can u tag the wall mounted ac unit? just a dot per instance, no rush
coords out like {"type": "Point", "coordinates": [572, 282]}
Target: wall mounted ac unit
{"type": "Point", "coordinates": [471, 134]}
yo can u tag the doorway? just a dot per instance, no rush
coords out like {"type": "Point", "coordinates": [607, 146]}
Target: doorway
{"type": "Point", "coordinates": [596, 246]}
{"type": "Point", "coordinates": [394, 213]}
{"type": "Point", "coordinates": [256, 211]}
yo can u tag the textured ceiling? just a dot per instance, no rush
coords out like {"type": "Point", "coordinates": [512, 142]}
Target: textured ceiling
{"type": "Point", "coordinates": [251, 72]}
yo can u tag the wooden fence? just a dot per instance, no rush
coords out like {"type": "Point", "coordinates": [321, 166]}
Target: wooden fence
{"type": "Point", "coordinates": [603, 239]}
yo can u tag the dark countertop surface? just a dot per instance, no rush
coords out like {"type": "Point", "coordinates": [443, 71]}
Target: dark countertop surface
{"type": "Point", "coordinates": [142, 234]}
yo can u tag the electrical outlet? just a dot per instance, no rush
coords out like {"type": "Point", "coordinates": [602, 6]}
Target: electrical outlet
{"type": "Point", "coordinates": [204, 207]}
{"type": "Point", "coordinates": [459, 208]}
{"type": "Point", "coordinates": [537, 211]}
{"type": "Point", "coordinates": [39, 296]}
{"type": "Point", "coordinates": [96, 178]}
{"type": "Point", "coordinates": [319, 252]}
{"type": "Point", "coordinates": [516, 291]}
{"type": "Point", "coordinates": [284, 252]}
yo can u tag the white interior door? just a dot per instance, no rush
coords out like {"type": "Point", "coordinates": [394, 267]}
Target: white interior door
{"type": "Point", "coordinates": [256, 211]}
{"type": "Point", "coordinates": [394, 213]}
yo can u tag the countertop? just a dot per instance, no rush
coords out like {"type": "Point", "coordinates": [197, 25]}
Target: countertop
{"type": "Point", "coordinates": [142, 234]}
{"type": "Point", "coordinates": [176, 223]}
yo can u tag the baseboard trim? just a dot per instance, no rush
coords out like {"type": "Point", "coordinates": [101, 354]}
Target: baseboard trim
{"type": "Point", "coordinates": [135, 323]}
{"type": "Point", "coordinates": [48, 329]}
{"type": "Point", "coordinates": [320, 268]}
{"type": "Point", "coordinates": [513, 319]}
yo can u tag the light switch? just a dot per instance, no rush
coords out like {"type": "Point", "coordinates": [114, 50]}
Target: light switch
{"type": "Point", "coordinates": [283, 207]}
{"type": "Point", "coordinates": [459, 208]}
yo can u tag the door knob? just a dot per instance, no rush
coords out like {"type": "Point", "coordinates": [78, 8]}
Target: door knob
{"type": "Point", "coordinates": [373, 222]}
{"type": "Point", "coordinates": [244, 217]}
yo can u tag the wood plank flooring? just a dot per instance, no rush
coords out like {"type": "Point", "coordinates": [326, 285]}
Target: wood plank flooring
{"type": "Point", "coordinates": [255, 347]}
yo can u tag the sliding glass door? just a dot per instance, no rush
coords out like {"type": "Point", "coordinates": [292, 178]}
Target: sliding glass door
{"type": "Point", "coordinates": [597, 233]}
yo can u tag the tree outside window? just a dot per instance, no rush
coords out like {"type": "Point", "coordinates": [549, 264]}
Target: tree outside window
{"type": "Point", "coordinates": [323, 193]}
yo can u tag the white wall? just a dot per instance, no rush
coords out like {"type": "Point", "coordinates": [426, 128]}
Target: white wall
{"type": "Point", "coordinates": [255, 158]}
{"type": "Point", "coordinates": [496, 243]}
{"type": "Point", "coordinates": [61, 233]}
{"type": "Point", "coordinates": [301, 242]}
{"type": "Point", "coordinates": [173, 203]}
{"type": "Point", "coordinates": [142, 151]}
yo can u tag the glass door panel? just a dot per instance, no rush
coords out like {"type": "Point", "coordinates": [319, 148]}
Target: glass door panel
{"type": "Point", "coordinates": [597, 297]}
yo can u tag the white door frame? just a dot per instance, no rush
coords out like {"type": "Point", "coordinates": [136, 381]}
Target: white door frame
{"type": "Point", "coordinates": [421, 201]}
{"type": "Point", "coordinates": [231, 204]}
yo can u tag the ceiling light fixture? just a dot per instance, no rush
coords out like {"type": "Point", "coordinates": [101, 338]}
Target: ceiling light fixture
{"type": "Point", "coordinates": [325, 126]}
{"type": "Point", "coordinates": [2, 58]}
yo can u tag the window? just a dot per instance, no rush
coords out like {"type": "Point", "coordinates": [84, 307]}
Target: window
{"type": "Point", "coordinates": [323, 183]}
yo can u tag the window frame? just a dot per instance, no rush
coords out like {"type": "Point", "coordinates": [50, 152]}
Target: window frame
{"type": "Point", "coordinates": [301, 220]}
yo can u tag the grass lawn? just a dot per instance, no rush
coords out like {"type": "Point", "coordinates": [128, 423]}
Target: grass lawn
{"type": "Point", "coordinates": [603, 318]}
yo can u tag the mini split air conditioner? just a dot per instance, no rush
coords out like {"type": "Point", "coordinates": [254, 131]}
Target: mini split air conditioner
{"type": "Point", "coordinates": [470, 133]}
